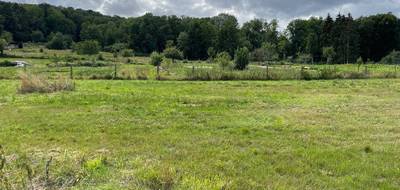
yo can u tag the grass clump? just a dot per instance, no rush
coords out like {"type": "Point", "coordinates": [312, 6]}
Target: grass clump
{"type": "Point", "coordinates": [31, 83]}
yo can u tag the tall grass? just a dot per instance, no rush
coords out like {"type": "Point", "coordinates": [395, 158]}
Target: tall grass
{"type": "Point", "coordinates": [31, 83]}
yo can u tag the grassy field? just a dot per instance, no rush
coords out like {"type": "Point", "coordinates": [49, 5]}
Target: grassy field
{"type": "Point", "coordinates": [338, 134]}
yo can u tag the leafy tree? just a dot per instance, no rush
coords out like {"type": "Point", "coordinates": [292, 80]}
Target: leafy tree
{"type": "Point", "coordinates": [184, 43]}
{"type": "Point", "coordinates": [88, 47]}
{"type": "Point", "coordinates": [254, 32]}
{"type": "Point", "coordinates": [271, 53]}
{"type": "Point", "coordinates": [3, 44]}
{"type": "Point", "coordinates": [127, 53]}
{"type": "Point", "coordinates": [223, 59]}
{"type": "Point", "coordinates": [211, 53]}
{"type": "Point", "coordinates": [392, 58]}
{"type": "Point", "coordinates": [37, 36]}
{"type": "Point", "coordinates": [156, 59]}
{"type": "Point", "coordinates": [329, 54]}
{"type": "Point", "coordinates": [228, 34]}
{"type": "Point", "coordinates": [7, 36]}
{"type": "Point", "coordinates": [359, 63]}
{"type": "Point", "coordinates": [241, 58]}
{"type": "Point", "coordinates": [60, 41]}
{"type": "Point", "coordinates": [172, 53]}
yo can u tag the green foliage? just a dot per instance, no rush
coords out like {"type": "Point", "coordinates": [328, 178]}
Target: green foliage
{"type": "Point", "coordinates": [223, 59]}
{"type": "Point", "coordinates": [172, 53]}
{"type": "Point", "coordinates": [37, 36]}
{"type": "Point", "coordinates": [328, 54]}
{"type": "Point", "coordinates": [241, 58]}
{"type": "Point", "coordinates": [127, 53]}
{"type": "Point", "coordinates": [89, 47]}
{"type": "Point", "coordinates": [7, 63]}
{"type": "Point", "coordinates": [3, 44]}
{"type": "Point", "coordinates": [211, 52]}
{"type": "Point", "coordinates": [392, 58]}
{"type": "Point", "coordinates": [7, 36]}
{"type": "Point", "coordinates": [60, 42]}
{"type": "Point", "coordinates": [156, 58]}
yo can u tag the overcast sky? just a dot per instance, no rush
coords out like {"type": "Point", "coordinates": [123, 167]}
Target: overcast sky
{"type": "Point", "coordinates": [244, 10]}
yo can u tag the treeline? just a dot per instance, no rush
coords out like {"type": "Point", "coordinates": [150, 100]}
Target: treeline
{"type": "Point", "coordinates": [342, 39]}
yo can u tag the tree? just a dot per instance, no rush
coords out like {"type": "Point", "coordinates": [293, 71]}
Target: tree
{"type": "Point", "coordinates": [392, 58]}
{"type": "Point", "coordinates": [88, 47]}
{"type": "Point", "coordinates": [173, 53]}
{"type": "Point", "coordinates": [156, 60]}
{"type": "Point", "coordinates": [211, 53]}
{"type": "Point", "coordinates": [37, 36]}
{"type": "Point", "coordinates": [359, 63]}
{"type": "Point", "coordinates": [3, 44]}
{"type": "Point", "coordinates": [60, 41]}
{"type": "Point", "coordinates": [329, 54]}
{"type": "Point", "coordinates": [241, 58]}
{"type": "Point", "coordinates": [223, 59]}
{"type": "Point", "coordinates": [184, 43]}
{"type": "Point", "coordinates": [271, 53]}
{"type": "Point", "coordinates": [7, 36]}
{"type": "Point", "coordinates": [228, 33]}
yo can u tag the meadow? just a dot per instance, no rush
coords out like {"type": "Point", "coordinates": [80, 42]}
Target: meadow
{"type": "Point", "coordinates": [203, 135]}
{"type": "Point", "coordinates": [201, 127]}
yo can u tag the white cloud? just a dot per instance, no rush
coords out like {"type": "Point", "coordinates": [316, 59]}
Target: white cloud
{"type": "Point", "coordinates": [244, 10]}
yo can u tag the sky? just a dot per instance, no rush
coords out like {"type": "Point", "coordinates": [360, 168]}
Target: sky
{"type": "Point", "coordinates": [244, 10]}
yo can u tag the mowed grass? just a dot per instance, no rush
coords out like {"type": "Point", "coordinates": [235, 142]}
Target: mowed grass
{"type": "Point", "coordinates": [339, 134]}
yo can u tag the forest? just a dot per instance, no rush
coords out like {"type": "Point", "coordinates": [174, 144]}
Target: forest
{"type": "Point", "coordinates": [335, 39]}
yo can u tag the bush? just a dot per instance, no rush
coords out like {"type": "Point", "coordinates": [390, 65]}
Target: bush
{"type": "Point", "coordinates": [33, 83]}
{"type": "Point", "coordinates": [127, 53]}
{"type": "Point", "coordinates": [117, 47]}
{"type": "Point", "coordinates": [7, 63]}
{"type": "Point", "coordinates": [173, 53]}
{"type": "Point", "coordinates": [89, 47]}
{"type": "Point", "coordinates": [60, 42]}
{"type": "Point", "coordinates": [223, 59]}
{"type": "Point", "coordinates": [392, 58]}
{"type": "Point", "coordinates": [241, 58]}
{"type": "Point", "coordinates": [156, 58]}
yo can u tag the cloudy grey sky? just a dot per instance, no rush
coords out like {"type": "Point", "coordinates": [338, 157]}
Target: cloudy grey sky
{"type": "Point", "coordinates": [244, 10]}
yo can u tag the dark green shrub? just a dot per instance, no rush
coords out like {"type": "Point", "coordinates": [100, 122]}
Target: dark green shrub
{"type": "Point", "coordinates": [89, 47]}
{"type": "Point", "coordinates": [241, 58]}
{"type": "Point", "coordinates": [60, 42]}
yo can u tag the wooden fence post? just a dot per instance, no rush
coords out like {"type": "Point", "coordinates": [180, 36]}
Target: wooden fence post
{"type": "Point", "coordinates": [71, 73]}
{"type": "Point", "coordinates": [115, 71]}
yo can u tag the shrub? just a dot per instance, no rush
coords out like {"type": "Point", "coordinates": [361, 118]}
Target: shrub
{"type": "Point", "coordinates": [7, 63]}
{"type": "Point", "coordinates": [156, 58]}
{"type": "Point", "coordinates": [127, 53]}
{"type": "Point", "coordinates": [223, 59]}
{"type": "Point", "coordinates": [392, 58]}
{"type": "Point", "coordinates": [3, 44]}
{"type": "Point", "coordinates": [241, 58]}
{"type": "Point", "coordinates": [328, 53]}
{"type": "Point", "coordinates": [33, 83]}
{"type": "Point", "coordinates": [60, 42]}
{"type": "Point", "coordinates": [173, 53]}
{"type": "Point", "coordinates": [89, 47]}
{"type": "Point", "coordinates": [117, 47]}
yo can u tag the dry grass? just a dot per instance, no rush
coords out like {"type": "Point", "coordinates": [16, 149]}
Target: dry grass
{"type": "Point", "coordinates": [31, 83]}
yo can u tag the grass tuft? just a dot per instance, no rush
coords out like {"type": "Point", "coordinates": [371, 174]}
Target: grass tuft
{"type": "Point", "coordinates": [36, 84]}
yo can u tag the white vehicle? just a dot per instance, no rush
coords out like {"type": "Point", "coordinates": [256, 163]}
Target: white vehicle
{"type": "Point", "coordinates": [20, 63]}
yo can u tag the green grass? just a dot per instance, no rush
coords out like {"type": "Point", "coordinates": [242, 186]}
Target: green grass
{"type": "Point", "coordinates": [339, 134]}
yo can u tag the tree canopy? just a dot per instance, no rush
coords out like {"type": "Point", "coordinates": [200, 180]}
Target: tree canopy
{"type": "Point", "coordinates": [372, 37]}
